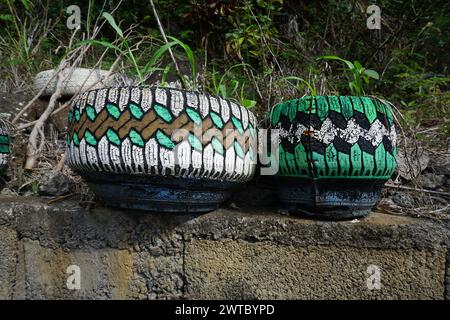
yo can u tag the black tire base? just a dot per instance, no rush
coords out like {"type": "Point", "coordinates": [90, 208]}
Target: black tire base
{"type": "Point", "coordinates": [334, 199]}
{"type": "Point", "coordinates": [158, 193]}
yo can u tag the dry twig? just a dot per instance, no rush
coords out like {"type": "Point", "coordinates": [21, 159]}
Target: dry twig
{"type": "Point", "coordinates": [418, 189]}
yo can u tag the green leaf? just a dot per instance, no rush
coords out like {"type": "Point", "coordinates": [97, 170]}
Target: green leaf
{"type": "Point", "coordinates": [136, 138]}
{"type": "Point", "coordinates": [217, 145]}
{"type": "Point", "coordinates": [365, 78]}
{"type": "Point", "coordinates": [311, 89]}
{"type": "Point", "coordinates": [150, 66]}
{"type": "Point", "coordinates": [248, 103]}
{"type": "Point", "coordinates": [105, 44]}
{"type": "Point", "coordinates": [223, 91]}
{"type": "Point", "coordinates": [195, 142]}
{"type": "Point", "coordinates": [4, 139]}
{"type": "Point", "coordinates": [4, 149]}
{"type": "Point", "coordinates": [90, 139]}
{"type": "Point", "coordinates": [235, 86]}
{"type": "Point", "coordinates": [165, 73]}
{"type": "Point", "coordinates": [77, 115]}
{"type": "Point", "coordinates": [27, 4]}
{"type": "Point", "coordinates": [6, 17]}
{"type": "Point", "coordinates": [238, 149]}
{"type": "Point", "coordinates": [70, 116]}
{"type": "Point", "coordinates": [163, 112]}
{"type": "Point", "coordinates": [190, 55]}
{"type": "Point", "coordinates": [216, 119]}
{"type": "Point", "coordinates": [194, 115]}
{"type": "Point", "coordinates": [348, 63]}
{"type": "Point", "coordinates": [113, 24]}
{"type": "Point", "coordinates": [113, 137]}
{"type": "Point", "coordinates": [76, 140]}
{"type": "Point", "coordinates": [136, 111]}
{"type": "Point", "coordinates": [156, 56]}
{"type": "Point", "coordinates": [164, 140]}
{"type": "Point", "coordinates": [354, 89]}
{"type": "Point", "coordinates": [372, 74]}
{"type": "Point", "coordinates": [90, 112]}
{"type": "Point", "coordinates": [113, 110]}
{"type": "Point", "coordinates": [237, 124]}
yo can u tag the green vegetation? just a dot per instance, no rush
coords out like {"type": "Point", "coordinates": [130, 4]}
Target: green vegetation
{"type": "Point", "coordinates": [358, 75]}
{"type": "Point", "coordinates": [255, 52]}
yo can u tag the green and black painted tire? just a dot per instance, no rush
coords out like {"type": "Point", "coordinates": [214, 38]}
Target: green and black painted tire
{"type": "Point", "coordinates": [4, 146]}
{"type": "Point", "coordinates": [163, 149]}
{"type": "Point", "coordinates": [335, 153]}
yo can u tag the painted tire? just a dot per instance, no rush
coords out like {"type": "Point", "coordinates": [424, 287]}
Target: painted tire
{"type": "Point", "coordinates": [4, 146]}
{"type": "Point", "coordinates": [79, 78]}
{"type": "Point", "coordinates": [123, 142]}
{"type": "Point", "coordinates": [335, 154]}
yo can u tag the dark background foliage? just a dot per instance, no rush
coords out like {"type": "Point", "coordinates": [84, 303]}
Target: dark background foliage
{"type": "Point", "coordinates": [277, 38]}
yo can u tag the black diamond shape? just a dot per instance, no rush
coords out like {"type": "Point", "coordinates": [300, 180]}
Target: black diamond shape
{"type": "Point", "coordinates": [303, 118]}
{"type": "Point", "coordinates": [337, 119]}
{"type": "Point", "coordinates": [317, 146]}
{"type": "Point", "coordinates": [315, 121]}
{"type": "Point", "coordinates": [387, 144]}
{"type": "Point", "coordinates": [341, 145]}
{"type": "Point", "coordinates": [361, 119]}
{"type": "Point", "coordinates": [383, 119]}
{"type": "Point", "coordinates": [366, 146]}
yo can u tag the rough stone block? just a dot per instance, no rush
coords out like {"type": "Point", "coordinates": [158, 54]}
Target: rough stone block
{"type": "Point", "coordinates": [226, 269]}
{"type": "Point", "coordinates": [105, 274]}
{"type": "Point", "coordinates": [8, 261]}
{"type": "Point", "coordinates": [241, 253]}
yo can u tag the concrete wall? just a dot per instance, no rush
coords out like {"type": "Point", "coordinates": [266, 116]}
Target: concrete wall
{"type": "Point", "coordinates": [225, 254]}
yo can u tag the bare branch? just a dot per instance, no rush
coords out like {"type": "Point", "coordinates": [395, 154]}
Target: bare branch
{"type": "Point", "coordinates": [161, 29]}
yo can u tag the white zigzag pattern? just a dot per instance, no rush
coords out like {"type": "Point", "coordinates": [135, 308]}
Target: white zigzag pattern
{"type": "Point", "coordinates": [3, 159]}
{"type": "Point", "coordinates": [328, 131]}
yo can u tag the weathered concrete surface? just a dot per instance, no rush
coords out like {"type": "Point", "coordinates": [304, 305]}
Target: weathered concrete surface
{"type": "Point", "coordinates": [447, 277]}
{"type": "Point", "coordinates": [106, 273]}
{"type": "Point", "coordinates": [224, 254]}
{"type": "Point", "coordinates": [8, 261]}
{"type": "Point", "coordinates": [237, 269]}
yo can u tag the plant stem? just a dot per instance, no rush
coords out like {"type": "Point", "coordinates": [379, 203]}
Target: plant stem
{"type": "Point", "coordinates": [163, 34]}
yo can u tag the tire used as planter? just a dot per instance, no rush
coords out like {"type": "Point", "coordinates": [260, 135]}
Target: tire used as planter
{"type": "Point", "coordinates": [4, 146]}
{"type": "Point", "coordinates": [124, 142]}
{"type": "Point", "coordinates": [335, 154]}
{"type": "Point", "coordinates": [78, 80]}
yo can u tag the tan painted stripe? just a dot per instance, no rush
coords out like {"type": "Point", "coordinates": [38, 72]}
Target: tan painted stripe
{"type": "Point", "coordinates": [167, 128]}
{"type": "Point", "coordinates": [137, 125]}
{"type": "Point", "coordinates": [149, 124]}
{"type": "Point", "coordinates": [88, 124]}
{"type": "Point", "coordinates": [111, 123]}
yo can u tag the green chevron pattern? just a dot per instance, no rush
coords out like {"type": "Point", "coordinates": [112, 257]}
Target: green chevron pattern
{"type": "Point", "coordinates": [329, 137]}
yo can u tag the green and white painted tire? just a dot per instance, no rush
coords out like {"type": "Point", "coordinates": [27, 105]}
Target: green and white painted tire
{"type": "Point", "coordinates": [132, 131]}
